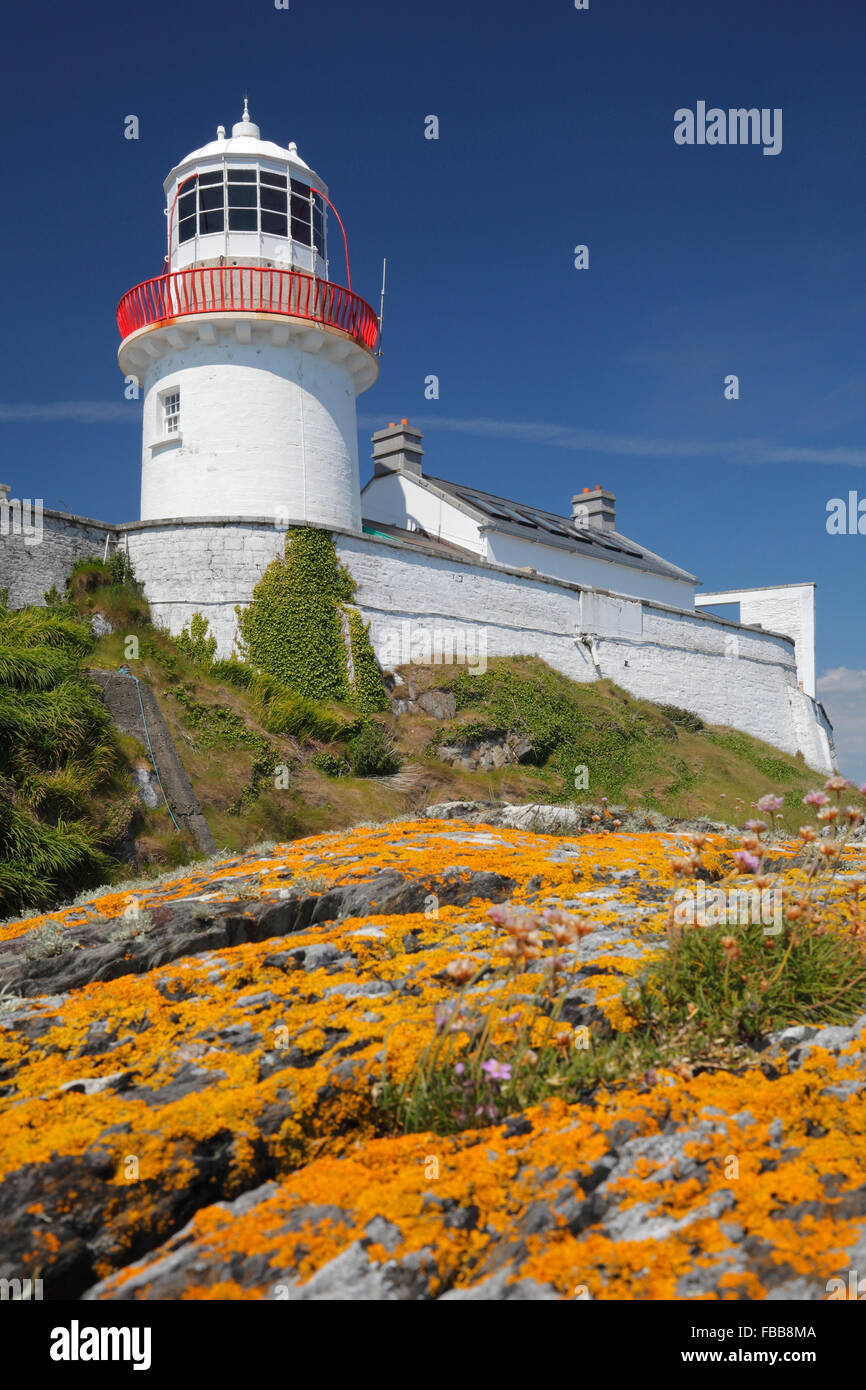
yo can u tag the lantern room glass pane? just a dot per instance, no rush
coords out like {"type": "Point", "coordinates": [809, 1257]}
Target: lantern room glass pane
{"type": "Point", "coordinates": [276, 180]}
{"type": "Point", "coordinates": [216, 176]}
{"type": "Point", "coordinates": [242, 195]}
{"type": "Point", "coordinates": [301, 231]}
{"type": "Point", "coordinates": [212, 222]}
{"type": "Point", "coordinates": [186, 229]}
{"type": "Point", "coordinates": [274, 198]}
{"type": "Point", "coordinates": [243, 219]}
{"type": "Point", "coordinates": [242, 175]}
{"type": "Point", "coordinates": [275, 223]}
{"type": "Point", "coordinates": [209, 198]}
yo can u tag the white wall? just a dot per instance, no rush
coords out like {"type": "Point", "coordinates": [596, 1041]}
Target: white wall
{"type": "Point", "coordinates": [727, 674]}
{"type": "Point", "coordinates": [396, 500]}
{"type": "Point", "coordinates": [788, 608]}
{"type": "Point", "coordinates": [264, 430]}
{"type": "Point", "coordinates": [516, 553]}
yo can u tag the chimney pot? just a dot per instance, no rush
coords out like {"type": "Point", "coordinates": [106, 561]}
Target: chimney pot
{"type": "Point", "coordinates": [594, 508]}
{"type": "Point", "coordinates": [397, 449]}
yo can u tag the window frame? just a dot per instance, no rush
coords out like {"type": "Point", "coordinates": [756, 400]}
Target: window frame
{"type": "Point", "coordinates": [305, 211]}
{"type": "Point", "coordinates": [167, 415]}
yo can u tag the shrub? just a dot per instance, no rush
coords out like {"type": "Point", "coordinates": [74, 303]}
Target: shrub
{"type": "Point", "coordinates": [57, 751]}
{"type": "Point", "coordinates": [372, 752]}
{"type": "Point", "coordinates": [329, 764]}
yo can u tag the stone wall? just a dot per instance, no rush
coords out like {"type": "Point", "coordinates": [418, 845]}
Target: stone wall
{"type": "Point", "coordinates": [30, 563]}
{"type": "Point", "coordinates": [416, 601]}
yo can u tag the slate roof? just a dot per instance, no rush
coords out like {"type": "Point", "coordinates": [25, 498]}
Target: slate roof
{"type": "Point", "coordinates": [547, 528]}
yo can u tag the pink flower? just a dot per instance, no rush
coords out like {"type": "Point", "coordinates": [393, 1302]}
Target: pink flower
{"type": "Point", "coordinates": [747, 862]}
{"type": "Point", "coordinates": [771, 803]}
{"type": "Point", "coordinates": [460, 1069]}
{"type": "Point", "coordinates": [756, 825]}
{"type": "Point", "coordinates": [815, 799]}
{"type": "Point", "coordinates": [497, 1071]}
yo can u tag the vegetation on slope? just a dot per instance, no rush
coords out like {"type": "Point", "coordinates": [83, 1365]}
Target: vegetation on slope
{"type": "Point", "coordinates": [270, 757]}
{"type": "Point", "coordinates": [633, 752]}
{"type": "Point", "coordinates": [63, 803]}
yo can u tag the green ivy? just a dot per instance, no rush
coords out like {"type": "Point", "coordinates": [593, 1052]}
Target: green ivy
{"type": "Point", "coordinates": [370, 696]}
{"type": "Point", "coordinates": [293, 627]}
{"type": "Point", "coordinates": [195, 642]}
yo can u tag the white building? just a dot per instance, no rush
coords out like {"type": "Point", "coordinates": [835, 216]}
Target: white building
{"type": "Point", "coordinates": [248, 357]}
{"type": "Point", "coordinates": [251, 359]}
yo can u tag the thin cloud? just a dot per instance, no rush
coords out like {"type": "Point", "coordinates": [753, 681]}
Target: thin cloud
{"type": "Point", "coordinates": [843, 693]}
{"type": "Point", "coordinates": [76, 412]}
{"type": "Point", "coordinates": [747, 451]}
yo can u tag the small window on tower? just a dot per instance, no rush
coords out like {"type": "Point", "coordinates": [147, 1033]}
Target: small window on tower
{"type": "Point", "coordinates": [171, 412]}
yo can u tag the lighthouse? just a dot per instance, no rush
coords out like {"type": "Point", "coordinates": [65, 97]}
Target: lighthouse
{"type": "Point", "coordinates": [247, 355]}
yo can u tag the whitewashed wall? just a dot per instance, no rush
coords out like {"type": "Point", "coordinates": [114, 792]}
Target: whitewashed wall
{"type": "Point", "coordinates": [725, 673]}
{"type": "Point", "coordinates": [788, 608]}
{"type": "Point", "coordinates": [266, 429]}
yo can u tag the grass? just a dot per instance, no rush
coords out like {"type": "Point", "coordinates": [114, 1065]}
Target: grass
{"type": "Point", "coordinates": [636, 753]}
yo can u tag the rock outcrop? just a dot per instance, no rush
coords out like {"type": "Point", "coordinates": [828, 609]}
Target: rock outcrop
{"type": "Point", "coordinates": [190, 1094]}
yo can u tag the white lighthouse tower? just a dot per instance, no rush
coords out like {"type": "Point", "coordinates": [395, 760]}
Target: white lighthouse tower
{"type": "Point", "coordinates": [248, 357]}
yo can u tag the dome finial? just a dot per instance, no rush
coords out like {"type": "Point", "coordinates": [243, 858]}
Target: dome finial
{"type": "Point", "coordinates": [245, 126]}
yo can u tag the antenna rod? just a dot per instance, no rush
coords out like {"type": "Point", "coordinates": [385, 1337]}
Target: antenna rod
{"type": "Point", "coordinates": [382, 306]}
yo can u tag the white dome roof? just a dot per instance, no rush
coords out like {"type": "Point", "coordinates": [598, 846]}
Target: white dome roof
{"type": "Point", "coordinates": [246, 140]}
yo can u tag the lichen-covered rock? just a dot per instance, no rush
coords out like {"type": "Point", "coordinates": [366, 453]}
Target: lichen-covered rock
{"type": "Point", "coordinates": [190, 1111]}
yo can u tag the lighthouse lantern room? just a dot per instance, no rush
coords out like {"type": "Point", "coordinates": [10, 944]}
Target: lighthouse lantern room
{"type": "Point", "coordinates": [248, 357]}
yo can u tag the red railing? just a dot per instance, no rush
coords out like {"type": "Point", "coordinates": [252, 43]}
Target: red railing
{"type": "Point", "coordinates": [218, 289]}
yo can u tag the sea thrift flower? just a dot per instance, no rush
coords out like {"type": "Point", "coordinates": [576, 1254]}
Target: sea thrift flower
{"type": "Point", "coordinates": [836, 784]}
{"type": "Point", "coordinates": [808, 832]}
{"type": "Point", "coordinates": [497, 1071]}
{"type": "Point", "coordinates": [442, 1015]}
{"type": "Point", "coordinates": [815, 799]}
{"type": "Point", "coordinates": [460, 1068]}
{"type": "Point", "coordinates": [771, 803]}
{"type": "Point", "coordinates": [747, 862]}
{"type": "Point", "coordinates": [756, 826]}
{"type": "Point", "coordinates": [460, 970]}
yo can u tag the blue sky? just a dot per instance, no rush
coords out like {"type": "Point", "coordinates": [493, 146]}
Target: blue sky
{"type": "Point", "coordinates": [556, 129]}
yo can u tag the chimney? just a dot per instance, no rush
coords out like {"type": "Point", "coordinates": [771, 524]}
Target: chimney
{"type": "Point", "coordinates": [595, 509]}
{"type": "Point", "coordinates": [5, 489]}
{"type": "Point", "coordinates": [397, 449]}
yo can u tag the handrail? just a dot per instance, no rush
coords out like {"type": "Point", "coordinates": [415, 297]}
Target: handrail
{"type": "Point", "coordinates": [217, 289]}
